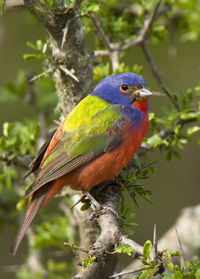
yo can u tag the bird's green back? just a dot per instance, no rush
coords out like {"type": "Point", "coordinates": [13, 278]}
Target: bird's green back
{"type": "Point", "coordinates": [84, 127]}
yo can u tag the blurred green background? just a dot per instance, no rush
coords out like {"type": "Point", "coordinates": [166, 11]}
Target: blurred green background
{"type": "Point", "coordinates": [175, 184]}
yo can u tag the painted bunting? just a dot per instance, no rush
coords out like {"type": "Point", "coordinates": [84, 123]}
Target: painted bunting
{"type": "Point", "coordinates": [93, 143]}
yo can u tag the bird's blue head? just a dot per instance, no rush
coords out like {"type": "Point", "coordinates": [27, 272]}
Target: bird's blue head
{"type": "Point", "coordinates": [123, 88]}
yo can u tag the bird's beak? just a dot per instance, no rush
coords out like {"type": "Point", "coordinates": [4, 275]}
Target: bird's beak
{"type": "Point", "coordinates": [143, 93]}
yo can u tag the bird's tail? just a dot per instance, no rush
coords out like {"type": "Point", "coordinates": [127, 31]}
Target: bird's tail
{"type": "Point", "coordinates": [38, 200]}
{"type": "Point", "coordinates": [34, 205]}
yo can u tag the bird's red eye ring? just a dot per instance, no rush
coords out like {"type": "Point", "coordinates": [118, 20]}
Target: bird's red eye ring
{"type": "Point", "coordinates": [124, 88]}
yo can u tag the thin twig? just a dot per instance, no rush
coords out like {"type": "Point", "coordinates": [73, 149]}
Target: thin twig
{"type": "Point", "coordinates": [127, 272]}
{"type": "Point", "coordinates": [44, 74]}
{"type": "Point", "coordinates": [148, 23]}
{"type": "Point", "coordinates": [68, 72]}
{"type": "Point", "coordinates": [152, 63]}
{"type": "Point", "coordinates": [114, 57]}
{"type": "Point", "coordinates": [3, 4]}
{"type": "Point", "coordinates": [133, 185]}
{"type": "Point", "coordinates": [182, 256]}
{"type": "Point", "coordinates": [100, 31]}
{"type": "Point", "coordinates": [103, 52]}
{"type": "Point", "coordinates": [164, 133]}
{"type": "Point", "coordinates": [155, 248]}
{"type": "Point", "coordinates": [144, 166]}
{"type": "Point", "coordinates": [79, 200]}
{"type": "Point", "coordinates": [167, 93]}
{"type": "Point", "coordinates": [159, 94]}
{"type": "Point", "coordinates": [66, 30]}
{"type": "Point", "coordinates": [143, 32]}
{"type": "Point", "coordinates": [76, 247]}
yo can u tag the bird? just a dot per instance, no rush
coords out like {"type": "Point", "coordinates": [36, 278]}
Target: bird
{"type": "Point", "coordinates": [92, 144]}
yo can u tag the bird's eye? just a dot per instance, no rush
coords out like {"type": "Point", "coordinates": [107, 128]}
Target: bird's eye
{"type": "Point", "coordinates": [124, 88]}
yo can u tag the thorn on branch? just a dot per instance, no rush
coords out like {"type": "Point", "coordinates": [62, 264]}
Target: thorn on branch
{"type": "Point", "coordinates": [67, 72]}
{"type": "Point", "coordinates": [79, 200]}
{"type": "Point", "coordinates": [155, 249]}
{"type": "Point", "coordinates": [127, 272]}
{"type": "Point", "coordinates": [182, 256]}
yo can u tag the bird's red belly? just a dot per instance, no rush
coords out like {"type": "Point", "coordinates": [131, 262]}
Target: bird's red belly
{"type": "Point", "coordinates": [106, 166]}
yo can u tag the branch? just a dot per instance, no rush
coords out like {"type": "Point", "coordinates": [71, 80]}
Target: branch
{"type": "Point", "coordinates": [68, 52]}
{"type": "Point", "coordinates": [107, 222]}
{"type": "Point", "coordinates": [100, 31]}
{"type": "Point", "coordinates": [110, 235]}
{"type": "Point", "coordinates": [113, 53]}
{"type": "Point", "coordinates": [137, 249]}
{"type": "Point", "coordinates": [164, 133]}
{"type": "Point", "coordinates": [113, 50]}
{"type": "Point", "coordinates": [152, 63]}
{"type": "Point", "coordinates": [167, 93]}
{"type": "Point", "coordinates": [143, 32]}
{"type": "Point", "coordinates": [77, 247]}
{"type": "Point", "coordinates": [22, 162]}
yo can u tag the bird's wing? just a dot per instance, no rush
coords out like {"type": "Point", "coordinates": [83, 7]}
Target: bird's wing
{"type": "Point", "coordinates": [91, 129]}
{"type": "Point", "coordinates": [35, 163]}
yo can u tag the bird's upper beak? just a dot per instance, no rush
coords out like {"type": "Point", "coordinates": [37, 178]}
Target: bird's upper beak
{"type": "Point", "coordinates": [143, 93]}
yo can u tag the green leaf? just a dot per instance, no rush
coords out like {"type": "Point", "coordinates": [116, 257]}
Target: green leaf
{"type": "Point", "coordinates": [147, 249]}
{"type": "Point", "coordinates": [87, 261]}
{"type": "Point", "coordinates": [30, 56]}
{"type": "Point", "coordinates": [193, 130]}
{"type": "Point", "coordinates": [123, 248]}
{"type": "Point", "coordinates": [156, 141]}
{"type": "Point", "coordinates": [85, 206]}
{"type": "Point", "coordinates": [32, 45]}
{"type": "Point", "coordinates": [151, 115]}
{"type": "Point", "coordinates": [39, 44]}
{"type": "Point", "coordinates": [20, 205]}
{"type": "Point", "coordinates": [170, 265]}
{"type": "Point", "coordinates": [147, 273]}
{"type": "Point", "coordinates": [93, 8]}
{"type": "Point", "coordinates": [7, 128]}
{"type": "Point", "coordinates": [168, 275]}
{"type": "Point", "coordinates": [44, 49]}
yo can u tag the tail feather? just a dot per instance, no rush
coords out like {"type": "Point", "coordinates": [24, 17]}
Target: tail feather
{"type": "Point", "coordinates": [35, 204]}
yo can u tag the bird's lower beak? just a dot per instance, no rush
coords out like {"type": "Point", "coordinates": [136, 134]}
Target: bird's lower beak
{"type": "Point", "coordinates": [144, 92]}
